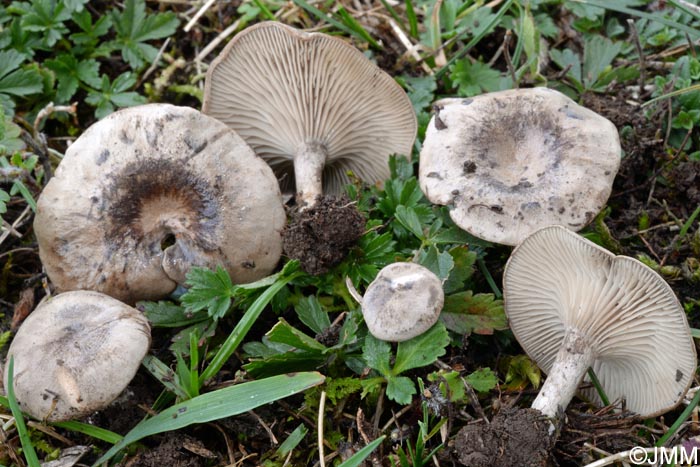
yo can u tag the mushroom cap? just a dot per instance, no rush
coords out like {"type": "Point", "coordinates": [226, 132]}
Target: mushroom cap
{"type": "Point", "coordinates": [514, 161]}
{"type": "Point", "coordinates": [75, 354]}
{"type": "Point", "coordinates": [151, 191]}
{"type": "Point", "coordinates": [403, 301]}
{"type": "Point", "coordinates": [284, 90]}
{"type": "Point", "coordinates": [556, 280]}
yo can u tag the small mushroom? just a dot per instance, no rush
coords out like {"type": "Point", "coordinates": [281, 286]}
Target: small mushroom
{"type": "Point", "coordinates": [511, 162]}
{"type": "Point", "coordinates": [312, 106]}
{"type": "Point", "coordinates": [151, 191]}
{"type": "Point", "coordinates": [403, 301]}
{"type": "Point", "coordinates": [75, 354]}
{"type": "Point", "coordinates": [573, 305]}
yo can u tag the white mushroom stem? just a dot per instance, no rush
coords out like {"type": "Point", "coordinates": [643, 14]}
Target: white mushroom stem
{"type": "Point", "coordinates": [574, 358]}
{"type": "Point", "coordinates": [309, 160]}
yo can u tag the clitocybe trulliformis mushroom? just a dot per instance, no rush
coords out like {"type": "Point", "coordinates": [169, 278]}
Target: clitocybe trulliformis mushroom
{"type": "Point", "coordinates": [151, 191]}
{"type": "Point", "coordinates": [573, 305]}
{"type": "Point", "coordinates": [75, 354]}
{"type": "Point", "coordinates": [312, 106]}
{"type": "Point", "coordinates": [402, 302]}
{"type": "Point", "coordinates": [511, 162]}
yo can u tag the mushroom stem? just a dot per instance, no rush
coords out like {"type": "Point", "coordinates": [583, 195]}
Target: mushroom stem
{"type": "Point", "coordinates": [309, 160]}
{"type": "Point", "coordinates": [574, 358]}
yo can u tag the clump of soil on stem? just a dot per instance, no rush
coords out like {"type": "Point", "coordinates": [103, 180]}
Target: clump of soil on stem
{"type": "Point", "coordinates": [320, 236]}
{"type": "Point", "coordinates": [514, 437]}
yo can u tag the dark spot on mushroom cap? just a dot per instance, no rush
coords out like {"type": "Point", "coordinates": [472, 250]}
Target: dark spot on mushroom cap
{"type": "Point", "coordinates": [469, 167]}
{"type": "Point", "coordinates": [102, 156]}
{"type": "Point", "coordinates": [439, 124]}
{"type": "Point", "coordinates": [248, 264]}
{"type": "Point", "coordinates": [679, 375]}
{"type": "Point", "coordinates": [434, 175]}
{"type": "Point", "coordinates": [160, 184]}
{"type": "Point", "coordinates": [467, 101]}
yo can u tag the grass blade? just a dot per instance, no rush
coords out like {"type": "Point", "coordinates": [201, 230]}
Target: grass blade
{"type": "Point", "coordinates": [218, 404]}
{"type": "Point", "coordinates": [475, 40]}
{"type": "Point", "coordinates": [27, 447]}
{"type": "Point", "coordinates": [329, 19]}
{"type": "Point", "coordinates": [677, 92]}
{"type": "Point", "coordinates": [352, 23]}
{"type": "Point", "coordinates": [689, 223]}
{"type": "Point", "coordinates": [239, 332]}
{"type": "Point", "coordinates": [90, 430]}
{"type": "Point", "coordinates": [362, 454]}
{"type": "Point", "coordinates": [412, 19]}
{"type": "Point", "coordinates": [608, 5]}
{"type": "Point", "coordinates": [679, 421]}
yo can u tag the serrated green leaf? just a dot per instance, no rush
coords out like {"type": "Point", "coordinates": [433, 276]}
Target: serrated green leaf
{"type": "Point", "coordinates": [47, 17]}
{"type": "Point", "coordinates": [568, 59]}
{"type": "Point", "coordinates": [400, 389]}
{"type": "Point", "coordinates": [439, 263]}
{"type": "Point", "coordinates": [218, 404]}
{"type": "Point", "coordinates": [408, 218]}
{"type": "Point", "coordinates": [169, 315]}
{"type": "Point", "coordinates": [421, 91]}
{"type": "Point", "coordinates": [311, 313]}
{"type": "Point", "coordinates": [482, 380]}
{"type": "Point", "coordinates": [471, 78]}
{"type": "Point", "coordinates": [466, 313]}
{"type": "Point", "coordinates": [21, 83]}
{"type": "Point", "coordinates": [598, 54]}
{"type": "Point", "coordinates": [421, 350]}
{"type": "Point", "coordinates": [90, 32]}
{"type": "Point", "coordinates": [377, 354]}
{"type": "Point", "coordinates": [285, 333]}
{"type": "Point", "coordinates": [210, 290]}
{"type": "Point", "coordinates": [11, 60]}
{"type": "Point", "coordinates": [464, 260]}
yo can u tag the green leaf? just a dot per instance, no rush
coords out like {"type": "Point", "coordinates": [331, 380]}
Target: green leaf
{"type": "Point", "coordinates": [27, 446]}
{"type": "Point", "coordinates": [69, 72]}
{"type": "Point", "coordinates": [408, 218]}
{"type": "Point", "coordinates": [11, 60]}
{"type": "Point", "coordinates": [568, 59]}
{"type": "Point", "coordinates": [285, 333]}
{"type": "Point", "coordinates": [169, 315]}
{"type": "Point", "coordinates": [47, 17]}
{"type": "Point", "coordinates": [421, 91]}
{"type": "Point", "coordinates": [339, 388]}
{"type": "Point", "coordinates": [292, 441]}
{"type": "Point", "coordinates": [472, 78]}
{"type": "Point", "coordinates": [400, 389]}
{"type": "Point", "coordinates": [439, 263]}
{"type": "Point", "coordinates": [311, 314]}
{"type": "Point", "coordinates": [21, 83]}
{"type": "Point", "coordinates": [422, 350]}
{"type": "Point", "coordinates": [464, 260]}
{"type": "Point", "coordinates": [91, 33]}
{"type": "Point", "coordinates": [598, 54]}
{"type": "Point", "coordinates": [466, 313]}
{"type": "Point", "coordinates": [377, 354]}
{"type": "Point", "coordinates": [358, 458]}
{"type": "Point", "coordinates": [284, 363]}
{"type": "Point", "coordinates": [216, 405]}
{"type": "Point", "coordinates": [210, 290]}
{"type": "Point", "coordinates": [165, 375]}
{"type": "Point", "coordinates": [134, 27]}
{"type": "Point", "coordinates": [521, 371]}
{"type": "Point", "coordinates": [483, 380]}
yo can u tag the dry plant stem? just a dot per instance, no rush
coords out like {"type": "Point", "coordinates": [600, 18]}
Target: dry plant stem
{"type": "Point", "coordinates": [506, 55]}
{"type": "Point", "coordinates": [573, 360]}
{"type": "Point", "coordinates": [198, 15]}
{"type": "Point", "coordinates": [309, 160]}
{"type": "Point", "coordinates": [640, 53]}
{"type": "Point", "coordinates": [13, 228]}
{"type": "Point", "coordinates": [321, 409]}
{"type": "Point", "coordinates": [217, 40]}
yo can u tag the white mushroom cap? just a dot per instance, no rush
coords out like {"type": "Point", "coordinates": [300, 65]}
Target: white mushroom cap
{"type": "Point", "coordinates": [557, 285]}
{"type": "Point", "coordinates": [151, 191]}
{"type": "Point", "coordinates": [75, 354]}
{"type": "Point", "coordinates": [403, 301]}
{"type": "Point", "coordinates": [514, 161]}
{"type": "Point", "coordinates": [311, 105]}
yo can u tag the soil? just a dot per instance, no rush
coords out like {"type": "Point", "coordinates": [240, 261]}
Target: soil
{"type": "Point", "coordinates": [514, 437]}
{"type": "Point", "coordinates": [320, 236]}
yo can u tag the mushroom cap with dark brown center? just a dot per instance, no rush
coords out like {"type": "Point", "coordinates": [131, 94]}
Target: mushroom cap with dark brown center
{"type": "Point", "coordinates": [292, 94]}
{"type": "Point", "coordinates": [558, 283]}
{"type": "Point", "coordinates": [151, 191]}
{"type": "Point", "coordinates": [75, 354]}
{"type": "Point", "coordinates": [511, 162]}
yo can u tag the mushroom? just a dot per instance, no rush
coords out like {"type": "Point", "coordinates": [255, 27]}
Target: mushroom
{"type": "Point", "coordinates": [402, 302]}
{"type": "Point", "coordinates": [573, 305]}
{"type": "Point", "coordinates": [511, 162]}
{"type": "Point", "coordinates": [151, 191]}
{"type": "Point", "coordinates": [75, 354]}
{"type": "Point", "coordinates": [312, 106]}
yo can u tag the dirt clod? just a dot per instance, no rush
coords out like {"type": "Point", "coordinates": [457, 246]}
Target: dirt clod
{"type": "Point", "coordinates": [320, 237]}
{"type": "Point", "coordinates": [514, 437]}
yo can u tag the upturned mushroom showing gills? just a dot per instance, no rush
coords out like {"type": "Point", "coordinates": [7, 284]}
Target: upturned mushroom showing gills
{"type": "Point", "coordinates": [510, 162]}
{"type": "Point", "coordinates": [75, 354]}
{"type": "Point", "coordinates": [312, 106]}
{"type": "Point", "coordinates": [151, 191]}
{"type": "Point", "coordinates": [573, 305]}
{"type": "Point", "coordinates": [403, 301]}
